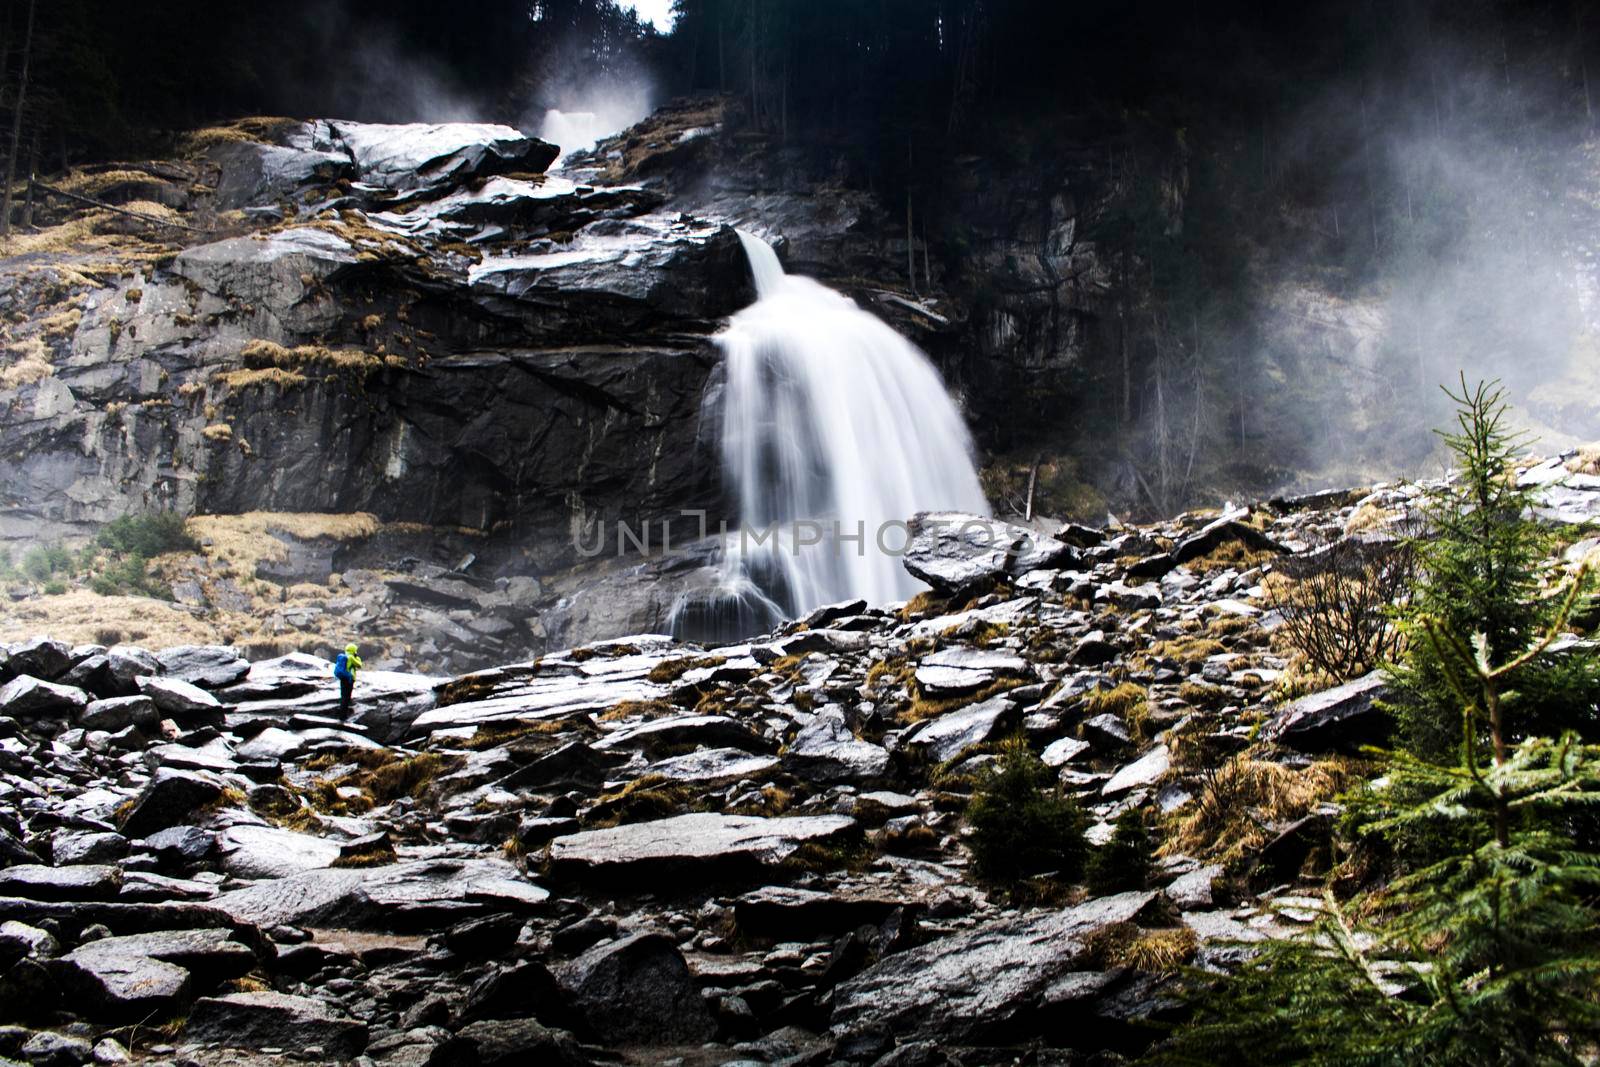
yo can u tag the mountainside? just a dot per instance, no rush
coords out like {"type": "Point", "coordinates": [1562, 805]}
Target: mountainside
{"type": "Point", "coordinates": [639, 850]}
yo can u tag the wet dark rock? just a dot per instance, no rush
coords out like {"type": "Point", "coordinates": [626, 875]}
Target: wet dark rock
{"type": "Point", "coordinates": [960, 669]}
{"type": "Point", "coordinates": [826, 750]}
{"type": "Point", "coordinates": [40, 657]}
{"type": "Point", "coordinates": [700, 844]}
{"type": "Point", "coordinates": [983, 982]}
{"type": "Point", "coordinates": [401, 896]}
{"type": "Point", "coordinates": [1343, 718]}
{"type": "Point", "coordinates": [1218, 533]}
{"type": "Point", "coordinates": [791, 912]}
{"type": "Point", "coordinates": [509, 1043]}
{"type": "Point", "coordinates": [27, 697]}
{"type": "Point", "coordinates": [208, 666]}
{"type": "Point", "coordinates": [83, 882]}
{"type": "Point", "coordinates": [275, 1020]}
{"type": "Point", "coordinates": [112, 673]}
{"type": "Point", "coordinates": [659, 734]}
{"type": "Point", "coordinates": [637, 989]}
{"type": "Point", "coordinates": [950, 735]}
{"type": "Point", "coordinates": [181, 844]}
{"type": "Point", "coordinates": [956, 553]}
{"type": "Point", "coordinates": [118, 713]}
{"type": "Point", "coordinates": [525, 988]}
{"type": "Point", "coordinates": [132, 977]}
{"type": "Point", "coordinates": [177, 697]}
{"type": "Point", "coordinates": [1142, 773]}
{"type": "Point", "coordinates": [49, 1048]}
{"type": "Point", "coordinates": [170, 799]}
{"type": "Point", "coordinates": [69, 847]}
{"type": "Point", "coordinates": [574, 765]}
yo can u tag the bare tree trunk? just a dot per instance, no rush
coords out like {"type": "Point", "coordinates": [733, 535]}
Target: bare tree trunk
{"type": "Point", "coordinates": [16, 123]}
{"type": "Point", "coordinates": [1033, 481]}
{"type": "Point", "coordinates": [33, 174]}
{"type": "Point", "coordinates": [911, 248]}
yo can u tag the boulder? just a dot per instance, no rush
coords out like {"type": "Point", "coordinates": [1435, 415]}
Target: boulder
{"type": "Point", "coordinates": [273, 852]}
{"type": "Point", "coordinates": [171, 797]}
{"type": "Point", "coordinates": [1339, 719]}
{"type": "Point", "coordinates": [90, 881]}
{"type": "Point", "coordinates": [957, 553]}
{"type": "Point", "coordinates": [40, 657]}
{"type": "Point", "coordinates": [701, 845]}
{"type": "Point", "coordinates": [416, 156]}
{"type": "Point", "coordinates": [27, 697]}
{"type": "Point", "coordinates": [657, 734]}
{"type": "Point", "coordinates": [177, 697]}
{"type": "Point", "coordinates": [276, 1020]}
{"type": "Point", "coordinates": [637, 990]}
{"type": "Point", "coordinates": [962, 669]}
{"type": "Point", "coordinates": [986, 982]}
{"type": "Point", "coordinates": [129, 978]}
{"type": "Point", "coordinates": [1219, 532]}
{"type": "Point", "coordinates": [421, 894]}
{"type": "Point", "coordinates": [713, 765]}
{"type": "Point", "coordinates": [118, 713]}
{"type": "Point", "coordinates": [509, 1043]}
{"type": "Point", "coordinates": [1145, 771]}
{"type": "Point", "coordinates": [209, 666]}
{"type": "Point", "coordinates": [825, 750]}
{"type": "Point", "coordinates": [953, 733]}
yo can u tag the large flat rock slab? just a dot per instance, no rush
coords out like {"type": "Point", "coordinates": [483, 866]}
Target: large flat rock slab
{"type": "Point", "coordinates": [699, 845]}
{"type": "Point", "coordinates": [973, 985]}
{"type": "Point", "coordinates": [403, 896]}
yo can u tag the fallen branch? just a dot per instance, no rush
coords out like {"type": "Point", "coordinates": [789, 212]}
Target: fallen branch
{"type": "Point", "coordinates": [92, 202]}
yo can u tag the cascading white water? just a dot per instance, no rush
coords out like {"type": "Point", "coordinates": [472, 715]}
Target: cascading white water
{"type": "Point", "coordinates": [832, 422]}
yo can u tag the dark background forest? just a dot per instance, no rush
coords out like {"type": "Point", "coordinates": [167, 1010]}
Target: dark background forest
{"type": "Point", "coordinates": [1426, 163]}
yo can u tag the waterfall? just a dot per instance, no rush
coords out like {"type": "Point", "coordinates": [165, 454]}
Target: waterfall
{"type": "Point", "coordinates": [833, 425]}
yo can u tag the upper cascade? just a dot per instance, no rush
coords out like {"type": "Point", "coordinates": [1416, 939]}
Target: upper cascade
{"type": "Point", "coordinates": [835, 431]}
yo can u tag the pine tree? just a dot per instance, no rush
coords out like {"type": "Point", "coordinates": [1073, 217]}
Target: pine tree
{"type": "Point", "coordinates": [1488, 952]}
{"type": "Point", "coordinates": [1480, 561]}
{"type": "Point", "coordinates": [1021, 823]}
{"type": "Point", "coordinates": [1124, 862]}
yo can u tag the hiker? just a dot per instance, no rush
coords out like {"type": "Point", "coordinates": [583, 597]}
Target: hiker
{"type": "Point", "coordinates": [344, 669]}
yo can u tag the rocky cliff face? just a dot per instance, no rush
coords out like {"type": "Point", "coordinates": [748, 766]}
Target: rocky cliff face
{"type": "Point", "coordinates": [413, 323]}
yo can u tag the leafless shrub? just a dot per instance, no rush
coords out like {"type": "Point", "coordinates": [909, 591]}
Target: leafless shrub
{"type": "Point", "coordinates": [1335, 603]}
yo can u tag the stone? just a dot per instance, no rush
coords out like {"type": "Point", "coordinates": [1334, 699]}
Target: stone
{"type": "Point", "coordinates": [1193, 890]}
{"type": "Point", "coordinates": [1219, 532]}
{"type": "Point", "coordinates": [509, 1043]}
{"type": "Point", "coordinates": [982, 983]}
{"type": "Point", "coordinates": [27, 697]}
{"type": "Point", "coordinates": [657, 734]}
{"type": "Point", "coordinates": [950, 735]}
{"type": "Point", "coordinates": [412, 156]}
{"type": "Point", "coordinates": [1339, 719]}
{"type": "Point", "coordinates": [574, 765]}
{"type": "Point", "coordinates": [825, 750]}
{"type": "Point", "coordinates": [713, 765]}
{"type": "Point", "coordinates": [208, 666]}
{"type": "Point", "coordinates": [177, 697]}
{"type": "Point", "coordinates": [182, 844]}
{"type": "Point", "coordinates": [134, 976]}
{"type": "Point", "coordinates": [791, 912]}
{"type": "Point", "coordinates": [961, 669]}
{"type": "Point", "coordinates": [171, 797]}
{"type": "Point", "coordinates": [118, 713]}
{"type": "Point", "coordinates": [48, 1048]}
{"type": "Point", "coordinates": [420, 894]}
{"type": "Point", "coordinates": [957, 553]}
{"type": "Point", "coordinates": [90, 881]}
{"type": "Point", "coordinates": [1063, 751]}
{"type": "Point", "coordinates": [1143, 772]}
{"type": "Point", "coordinates": [273, 852]}
{"type": "Point", "coordinates": [71, 847]}
{"type": "Point", "coordinates": [637, 990]}
{"type": "Point", "coordinates": [275, 1020]}
{"type": "Point", "coordinates": [19, 941]}
{"type": "Point", "coordinates": [39, 657]}
{"type": "Point", "coordinates": [701, 844]}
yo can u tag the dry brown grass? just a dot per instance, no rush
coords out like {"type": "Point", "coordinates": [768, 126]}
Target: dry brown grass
{"type": "Point", "coordinates": [1367, 517]}
{"type": "Point", "coordinates": [1587, 461]}
{"type": "Point", "coordinates": [1159, 951]}
{"type": "Point", "coordinates": [61, 324]}
{"type": "Point", "coordinates": [260, 353]}
{"type": "Point", "coordinates": [924, 707]}
{"type": "Point", "coordinates": [669, 671]}
{"type": "Point", "coordinates": [636, 709]}
{"type": "Point", "coordinates": [1187, 649]}
{"type": "Point", "coordinates": [1245, 801]}
{"type": "Point", "coordinates": [244, 379]}
{"type": "Point", "coordinates": [1235, 554]}
{"type": "Point", "coordinates": [245, 541]}
{"type": "Point", "coordinates": [83, 617]}
{"type": "Point", "coordinates": [218, 431]}
{"type": "Point", "coordinates": [257, 128]}
{"type": "Point", "coordinates": [30, 363]}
